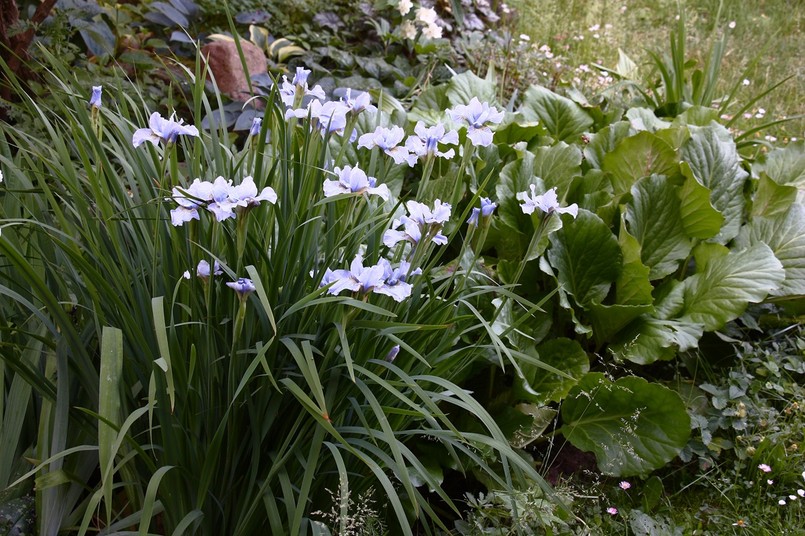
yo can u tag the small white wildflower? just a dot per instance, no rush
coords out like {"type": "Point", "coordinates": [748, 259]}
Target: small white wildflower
{"type": "Point", "coordinates": [770, 482]}
{"type": "Point", "coordinates": [405, 6]}
{"type": "Point", "coordinates": [408, 30]}
{"type": "Point", "coordinates": [764, 467]}
{"type": "Point", "coordinates": [525, 37]}
{"type": "Point", "coordinates": [1, 175]}
{"type": "Point", "coordinates": [426, 15]}
{"type": "Point", "coordinates": [746, 81]}
{"type": "Point", "coordinates": [432, 31]}
{"type": "Point", "coordinates": [801, 492]}
{"type": "Point", "coordinates": [781, 502]}
{"type": "Point", "coordinates": [792, 497]}
{"type": "Point", "coordinates": [731, 25]}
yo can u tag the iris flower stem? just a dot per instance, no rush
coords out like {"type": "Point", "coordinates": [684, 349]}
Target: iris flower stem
{"type": "Point", "coordinates": [460, 179]}
{"type": "Point", "coordinates": [535, 240]}
{"type": "Point", "coordinates": [353, 120]}
{"type": "Point", "coordinates": [422, 191]}
{"type": "Point", "coordinates": [241, 237]}
{"type": "Point", "coordinates": [158, 217]}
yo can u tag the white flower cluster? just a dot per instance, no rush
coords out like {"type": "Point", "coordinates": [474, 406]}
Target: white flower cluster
{"type": "Point", "coordinates": [424, 17]}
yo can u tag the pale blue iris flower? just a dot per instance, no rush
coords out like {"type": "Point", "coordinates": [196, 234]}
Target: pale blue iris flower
{"type": "Point", "coordinates": [203, 269]}
{"type": "Point", "coordinates": [427, 139]}
{"type": "Point", "coordinates": [190, 199]}
{"type": "Point", "coordinates": [289, 90]}
{"type": "Point", "coordinates": [547, 203]}
{"type": "Point", "coordinates": [361, 102]}
{"type": "Point", "coordinates": [354, 180]}
{"type": "Point", "coordinates": [379, 279]}
{"type": "Point", "coordinates": [242, 286]}
{"type": "Point", "coordinates": [421, 221]}
{"type": "Point", "coordinates": [392, 355]}
{"type": "Point", "coordinates": [245, 194]}
{"type": "Point", "coordinates": [477, 116]}
{"type": "Point", "coordinates": [486, 210]}
{"type": "Point", "coordinates": [300, 78]}
{"type": "Point", "coordinates": [328, 117]}
{"type": "Point", "coordinates": [161, 129]}
{"type": "Point", "coordinates": [388, 140]}
{"type": "Point", "coordinates": [257, 124]}
{"type": "Point", "coordinates": [219, 197]}
{"type": "Point", "coordinates": [95, 98]}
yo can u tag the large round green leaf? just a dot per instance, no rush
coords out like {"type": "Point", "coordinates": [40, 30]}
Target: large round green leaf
{"type": "Point", "coordinates": [721, 291]}
{"type": "Point", "coordinates": [631, 425]}
{"type": "Point", "coordinates": [784, 166]}
{"type": "Point", "coordinates": [586, 257]}
{"type": "Point", "coordinates": [637, 157]}
{"type": "Point", "coordinates": [715, 163]}
{"type": "Point", "coordinates": [655, 221]}
{"type": "Point", "coordinates": [564, 119]}
{"type": "Point", "coordinates": [541, 386]}
{"type": "Point", "coordinates": [557, 165]}
{"type": "Point", "coordinates": [785, 235]}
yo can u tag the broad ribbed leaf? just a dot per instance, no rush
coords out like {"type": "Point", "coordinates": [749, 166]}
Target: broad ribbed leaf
{"type": "Point", "coordinates": [643, 119]}
{"type": "Point", "coordinates": [772, 199]}
{"type": "Point", "coordinates": [515, 177]}
{"type": "Point", "coordinates": [639, 156]}
{"type": "Point", "coordinates": [655, 221]}
{"type": "Point", "coordinates": [650, 339]}
{"type": "Point", "coordinates": [463, 87]}
{"type": "Point", "coordinates": [785, 235]}
{"type": "Point", "coordinates": [608, 320]}
{"type": "Point", "coordinates": [586, 257]}
{"type": "Point", "coordinates": [728, 284]}
{"type": "Point", "coordinates": [540, 386]}
{"type": "Point", "coordinates": [632, 286]}
{"type": "Point", "coordinates": [557, 166]}
{"type": "Point", "coordinates": [564, 119]}
{"type": "Point", "coordinates": [715, 164]}
{"type": "Point", "coordinates": [631, 425]}
{"type": "Point", "coordinates": [785, 166]}
{"type": "Point", "coordinates": [699, 217]}
{"type": "Point", "coordinates": [604, 141]}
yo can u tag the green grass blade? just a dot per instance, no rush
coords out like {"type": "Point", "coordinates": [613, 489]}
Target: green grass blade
{"type": "Point", "coordinates": [109, 406]}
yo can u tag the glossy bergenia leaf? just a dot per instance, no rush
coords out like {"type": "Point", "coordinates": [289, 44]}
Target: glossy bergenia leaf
{"type": "Point", "coordinates": [631, 425]}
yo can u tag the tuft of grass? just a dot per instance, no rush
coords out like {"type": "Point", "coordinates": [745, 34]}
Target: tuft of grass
{"type": "Point", "coordinates": [764, 46]}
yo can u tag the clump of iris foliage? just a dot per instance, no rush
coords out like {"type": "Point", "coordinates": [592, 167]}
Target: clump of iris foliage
{"type": "Point", "coordinates": [359, 303]}
{"type": "Point", "coordinates": [221, 335]}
